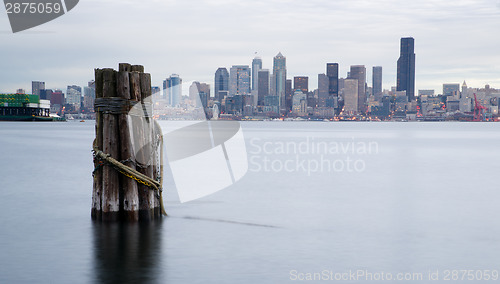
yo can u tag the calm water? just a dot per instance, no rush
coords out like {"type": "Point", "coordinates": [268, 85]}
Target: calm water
{"type": "Point", "coordinates": [419, 197]}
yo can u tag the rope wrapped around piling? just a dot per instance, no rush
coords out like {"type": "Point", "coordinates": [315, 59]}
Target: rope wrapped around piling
{"type": "Point", "coordinates": [134, 174]}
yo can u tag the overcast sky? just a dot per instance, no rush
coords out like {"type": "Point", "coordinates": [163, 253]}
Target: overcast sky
{"type": "Point", "coordinates": [455, 40]}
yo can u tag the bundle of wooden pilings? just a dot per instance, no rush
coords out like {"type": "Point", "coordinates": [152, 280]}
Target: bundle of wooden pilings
{"type": "Point", "coordinates": [125, 131]}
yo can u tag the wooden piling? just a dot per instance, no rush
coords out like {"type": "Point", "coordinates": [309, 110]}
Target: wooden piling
{"type": "Point", "coordinates": [128, 190]}
{"type": "Point", "coordinates": [148, 136]}
{"type": "Point", "coordinates": [97, 190]}
{"type": "Point", "coordinates": [126, 137]}
{"type": "Point", "coordinates": [110, 191]}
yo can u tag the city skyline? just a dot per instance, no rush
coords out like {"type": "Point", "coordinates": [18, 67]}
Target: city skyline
{"type": "Point", "coordinates": [454, 40]}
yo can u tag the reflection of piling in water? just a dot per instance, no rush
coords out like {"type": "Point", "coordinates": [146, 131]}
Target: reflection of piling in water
{"type": "Point", "coordinates": [127, 252]}
{"type": "Point", "coordinates": [125, 131]}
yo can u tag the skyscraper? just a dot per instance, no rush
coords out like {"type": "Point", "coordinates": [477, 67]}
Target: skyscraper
{"type": "Point", "coordinates": [279, 74]}
{"type": "Point", "coordinates": [263, 86]}
{"type": "Point", "coordinates": [36, 87]}
{"type": "Point", "coordinates": [89, 96]}
{"type": "Point", "coordinates": [301, 83]}
{"type": "Point", "coordinates": [287, 102]}
{"type": "Point", "coordinates": [406, 68]}
{"type": "Point", "coordinates": [450, 89]}
{"type": "Point", "coordinates": [323, 84]}
{"type": "Point", "coordinates": [332, 72]}
{"type": "Point", "coordinates": [351, 94]}
{"type": "Point", "coordinates": [239, 80]}
{"type": "Point", "coordinates": [221, 83]}
{"type": "Point", "coordinates": [377, 80]}
{"type": "Point", "coordinates": [173, 89]}
{"type": "Point", "coordinates": [74, 96]}
{"type": "Point", "coordinates": [358, 72]}
{"type": "Point", "coordinates": [256, 66]}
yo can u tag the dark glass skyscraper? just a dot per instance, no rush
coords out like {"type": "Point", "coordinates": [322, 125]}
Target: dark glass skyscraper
{"type": "Point", "coordinates": [301, 83]}
{"type": "Point", "coordinates": [406, 67]}
{"type": "Point", "coordinates": [332, 72]}
{"type": "Point", "coordinates": [221, 83]}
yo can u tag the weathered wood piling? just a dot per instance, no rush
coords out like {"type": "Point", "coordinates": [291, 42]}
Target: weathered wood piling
{"type": "Point", "coordinates": [126, 149]}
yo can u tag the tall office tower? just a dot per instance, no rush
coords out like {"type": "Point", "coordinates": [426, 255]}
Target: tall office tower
{"type": "Point", "coordinates": [36, 87]}
{"type": "Point", "coordinates": [172, 88]}
{"type": "Point", "coordinates": [323, 83]}
{"type": "Point", "coordinates": [263, 86]}
{"type": "Point", "coordinates": [332, 72]}
{"type": "Point", "coordinates": [239, 80]}
{"type": "Point", "coordinates": [377, 81]}
{"type": "Point", "coordinates": [89, 96]}
{"type": "Point", "coordinates": [358, 72]}
{"type": "Point", "coordinates": [450, 89]}
{"type": "Point", "coordinates": [74, 96]}
{"type": "Point", "coordinates": [286, 104]}
{"type": "Point", "coordinates": [279, 74]}
{"type": "Point", "coordinates": [406, 68]}
{"type": "Point", "coordinates": [256, 66]}
{"type": "Point", "coordinates": [221, 83]}
{"type": "Point", "coordinates": [351, 94]}
{"type": "Point", "coordinates": [301, 83]}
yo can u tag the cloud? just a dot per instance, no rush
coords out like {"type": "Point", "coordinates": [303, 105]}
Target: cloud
{"type": "Point", "coordinates": [194, 38]}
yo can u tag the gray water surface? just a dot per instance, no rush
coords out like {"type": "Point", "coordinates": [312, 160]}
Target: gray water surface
{"type": "Point", "coordinates": [426, 199]}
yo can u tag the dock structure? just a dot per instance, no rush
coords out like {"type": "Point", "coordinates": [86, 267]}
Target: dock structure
{"type": "Point", "coordinates": [127, 147]}
{"type": "Point", "coordinates": [23, 107]}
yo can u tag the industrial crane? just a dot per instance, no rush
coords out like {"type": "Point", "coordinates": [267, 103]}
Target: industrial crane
{"type": "Point", "coordinates": [478, 110]}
